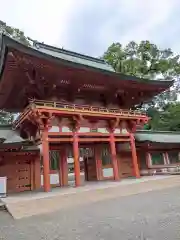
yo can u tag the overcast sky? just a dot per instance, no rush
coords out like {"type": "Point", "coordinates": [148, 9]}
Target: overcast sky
{"type": "Point", "coordinates": [90, 26]}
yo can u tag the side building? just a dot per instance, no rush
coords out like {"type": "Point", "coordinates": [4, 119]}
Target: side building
{"type": "Point", "coordinates": [74, 107]}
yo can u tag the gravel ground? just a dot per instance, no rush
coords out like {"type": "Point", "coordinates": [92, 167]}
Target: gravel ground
{"type": "Point", "coordinates": [152, 215]}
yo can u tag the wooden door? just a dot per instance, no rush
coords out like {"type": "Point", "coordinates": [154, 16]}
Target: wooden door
{"type": "Point", "coordinates": [18, 173]}
{"type": "Point", "coordinates": [125, 164]}
{"type": "Point", "coordinates": [90, 164]}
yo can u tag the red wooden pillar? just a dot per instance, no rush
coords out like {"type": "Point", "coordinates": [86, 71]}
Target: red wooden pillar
{"type": "Point", "coordinates": [45, 155]}
{"type": "Point", "coordinates": [37, 172]}
{"type": "Point", "coordinates": [64, 167]}
{"type": "Point", "coordinates": [98, 162]}
{"type": "Point", "coordinates": [166, 155]}
{"type": "Point", "coordinates": [134, 156]}
{"type": "Point", "coordinates": [114, 156]}
{"type": "Point", "coordinates": [148, 159]}
{"type": "Point", "coordinates": [76, 160]}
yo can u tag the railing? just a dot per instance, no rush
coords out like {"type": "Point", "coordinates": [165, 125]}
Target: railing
{"type": "Point", "coordinates": [75, 107]}
{"type": "Point", "coordinates": [22, 115]}
{"type": "Point", "coordinates": [85, 108]}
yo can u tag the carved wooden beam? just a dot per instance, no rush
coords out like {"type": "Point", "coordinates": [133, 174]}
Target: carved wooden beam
{"type": "Point", "coordinates": [75, 122]}
{"type": "Point", "coordinates": [113, 124]}
{"type": "Point", "coordinates": [59, 120]}
{"type": "Point", "coordinates": [132, 125]}
{"type": "Point", "coordinates": [42, 120]}
{"type": "Point", "coordinates": [78, 118]}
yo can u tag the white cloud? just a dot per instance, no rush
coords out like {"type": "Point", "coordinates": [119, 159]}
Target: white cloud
{"type": "Point", "coordinates": [152, 13]}
{"type": "Point", "coordinates": [90, 26]}
{"type": "Point", "coordinates": [43, 20]}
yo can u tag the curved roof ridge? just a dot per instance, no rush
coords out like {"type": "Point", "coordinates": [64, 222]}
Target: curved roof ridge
{"type": "Point", "coordinates": [69, 52]}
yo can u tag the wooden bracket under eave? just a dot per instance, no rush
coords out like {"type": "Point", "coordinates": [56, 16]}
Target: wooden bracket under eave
{"type": "Point", "coordinates": [113, 124]}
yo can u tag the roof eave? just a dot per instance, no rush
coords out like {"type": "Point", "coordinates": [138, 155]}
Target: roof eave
{"type": "Point", "coordinates": [9, 42]}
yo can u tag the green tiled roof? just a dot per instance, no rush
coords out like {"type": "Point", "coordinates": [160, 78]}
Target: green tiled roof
{"type": "Point", "coordinates": [158, 137]}
{"type": "Point", "coordinates": [73, 57]}
{"type": "Point", "coordinates": [7, 135]}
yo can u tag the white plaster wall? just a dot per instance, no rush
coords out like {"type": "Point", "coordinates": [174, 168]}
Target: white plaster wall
{"type": "Point", "coordinates": [84, 129]}
{"type": "Point", "coordinates": [117, 130]}
{"type": "Point", "coordinates": [71, 159]}
{"type": "Point", "coordinates": [66, 129]}
{"type": "Point", "coordinates": [54, 178]}
{"type": "Point", "coordinates": [102, 130]}
{"type": "Point", "coordinates": [107, 172]}
{"type": "Point", "coordinates": [54, 129]}
{"type": "Point", "coordinates": [124, 131]}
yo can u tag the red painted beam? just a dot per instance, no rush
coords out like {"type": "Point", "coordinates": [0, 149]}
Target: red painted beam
{"type": "Point", "coordinates": [80, 134]}
{"type": "Point", "coordinates": [60, 140]}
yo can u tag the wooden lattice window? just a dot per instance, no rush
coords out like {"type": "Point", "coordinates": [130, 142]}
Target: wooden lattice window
{"type": "Point", "coordinates": [86, 152]}
{"type": "Point", "coordinates": [106, 156]}
{"type": "Point", "coordinates": [157, 158]}
{"type": "Point", "coordinates": [54, 160]}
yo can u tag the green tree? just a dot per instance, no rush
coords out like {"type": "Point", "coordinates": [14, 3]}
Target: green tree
{"type": "Point", "coordinates": [6, 117]}
{"type": "Point", "coordinates": [146, 60]}
{"type": "Point", "coordinates": [167, 119]}
{"type": "Point", "coordinates": [14, 33]}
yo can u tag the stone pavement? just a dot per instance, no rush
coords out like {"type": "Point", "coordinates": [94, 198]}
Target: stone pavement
{"type": "Point", "coordinates": [153, 215]}
{"type": "Point", "coordinates": [47, 203]}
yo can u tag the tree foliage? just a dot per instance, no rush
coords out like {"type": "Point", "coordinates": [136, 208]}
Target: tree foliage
{"type": "Point", "coordinates": [5, 117]}
{"type": "Point", "coordinates": [146, 60]}
{"type": "Point", "coordinates": [167, 119]}
{"type": "Point", "coordinates": [14, 33]}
